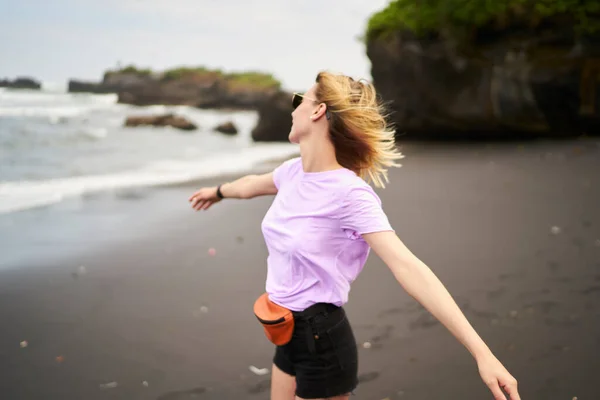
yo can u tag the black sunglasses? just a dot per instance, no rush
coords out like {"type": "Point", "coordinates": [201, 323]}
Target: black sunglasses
{"type": "Point", "coordinates": [297, 99]}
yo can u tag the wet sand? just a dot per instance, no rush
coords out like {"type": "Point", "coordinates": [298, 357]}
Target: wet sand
{"type": "Point", "coordinates": [513, 230]}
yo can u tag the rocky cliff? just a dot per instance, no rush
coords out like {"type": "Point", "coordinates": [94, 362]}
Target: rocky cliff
{"type": "Point", "coordinates": [500, 80]}
{"type": "Point", "coordinates": [274, 119]}
{"type": "Point", "coordinates": [193, 87]}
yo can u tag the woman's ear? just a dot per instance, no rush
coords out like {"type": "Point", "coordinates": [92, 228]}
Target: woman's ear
{"type": "Point", "coordinates": [319, 112]}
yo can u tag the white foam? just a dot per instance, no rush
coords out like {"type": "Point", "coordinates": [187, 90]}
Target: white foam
{"type": "Point", "coordinates": [95, 133]}
{"type": "Point", "coordinates": [53, 113]}
{"type": "Point", "coordinates": [15, 196]}
{"type": "Point", "coordinates": [56, 87]}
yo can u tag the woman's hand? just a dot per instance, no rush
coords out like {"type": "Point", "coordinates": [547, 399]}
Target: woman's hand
{"type": "Point", "coordinates": [495, 376]}
{"type": "Point", "coordinates": [203, 198]}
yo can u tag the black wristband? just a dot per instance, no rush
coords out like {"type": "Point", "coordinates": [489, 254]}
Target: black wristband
{"type": "Point", "coordinates": [219, 194]}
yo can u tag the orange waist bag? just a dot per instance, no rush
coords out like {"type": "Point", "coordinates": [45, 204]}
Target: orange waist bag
{"type": "Point", "coordinates": [277, 321]}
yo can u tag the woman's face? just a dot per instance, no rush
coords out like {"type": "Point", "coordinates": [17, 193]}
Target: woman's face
{"type": "Point", "coordinates": [301, 116]}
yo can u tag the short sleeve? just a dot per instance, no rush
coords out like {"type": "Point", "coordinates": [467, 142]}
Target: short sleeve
{"type": "Point", "coordinates": [283, 172]}
{"type": "Point", "coordinates": [362, 212]}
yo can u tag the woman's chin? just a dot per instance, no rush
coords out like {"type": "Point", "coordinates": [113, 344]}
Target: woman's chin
{"type": "Point", "coordinates": [292, 137]}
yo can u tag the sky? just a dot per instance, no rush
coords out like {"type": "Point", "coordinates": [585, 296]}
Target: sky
{"type": "Point", "coordinates": [55, 40]}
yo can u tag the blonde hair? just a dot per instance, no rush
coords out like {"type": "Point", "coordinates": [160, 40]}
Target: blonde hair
{"type": "Point", "coordinates": [364, 141]}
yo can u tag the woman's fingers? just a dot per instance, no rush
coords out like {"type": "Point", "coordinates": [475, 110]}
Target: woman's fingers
{"type": "Point", "coordinates": [194, 195]}
{"type": "Point", "coordinates": [201, 200]}
{"type": "Point", "coordinates": [496, 391]}
{"type": "Point", "coordinates": [195, 201]}
{"type": "Point", "coordinates": [199, 205]}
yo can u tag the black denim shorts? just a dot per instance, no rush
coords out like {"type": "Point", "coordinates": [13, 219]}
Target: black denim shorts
{"type": "Point", "coordinates": [322, 354]}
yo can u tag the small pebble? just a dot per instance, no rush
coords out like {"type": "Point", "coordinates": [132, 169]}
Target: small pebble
{"type": "Point", "coordinates": [145, 383]}
{"type": "Point", "coordinates": [24, 344]}
{"type": "Point", "coordinates": [597, 243]}
{"type": "Point", "coordinates": [109, 385]}
{"type": "Point", "coordinates": [574, 398]}
{"type": "Point", "coordinates": [212, 252]}
{"type": "Point", "coordinates": [60, 359]}
{"type": "Point", "coordinates": [513, 314]}
{"type": "Point", "coordinates": [258, 371]}
{"type": "Point", "coordinates": [367, 345]}
{"type": "Point", "coordinates": [555, 230]}
{"type": "Point", "coordinates": [204, 309]}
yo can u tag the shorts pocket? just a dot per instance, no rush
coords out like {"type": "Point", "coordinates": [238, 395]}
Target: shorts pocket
{"type": "Point", "coordinates": [343, 344]}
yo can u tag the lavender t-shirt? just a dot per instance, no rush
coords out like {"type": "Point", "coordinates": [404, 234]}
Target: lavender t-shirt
{"type": "Point", "coordinates": [313, 234]}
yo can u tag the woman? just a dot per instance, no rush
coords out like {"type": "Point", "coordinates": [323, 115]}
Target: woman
{"type": "Point", "coordinates": [318, 232]}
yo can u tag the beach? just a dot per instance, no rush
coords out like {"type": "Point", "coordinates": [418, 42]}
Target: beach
{"type": "Point", "coordinates": [116, 295]}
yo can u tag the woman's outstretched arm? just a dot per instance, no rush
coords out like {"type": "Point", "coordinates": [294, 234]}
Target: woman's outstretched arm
{"type": "Point", "coordinates": [422, 284]}
{"type": "Point", "coordinates": [246, 187]}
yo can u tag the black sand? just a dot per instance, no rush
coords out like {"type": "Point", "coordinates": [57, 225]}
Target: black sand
{"type": "Point", "coordinates": [153, 316]}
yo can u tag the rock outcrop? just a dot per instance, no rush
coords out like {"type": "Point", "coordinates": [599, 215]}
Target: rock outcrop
{"type": "Point", "coordinates": [227, 128]}
{"type": "Point", "coordinates": [76, 86]}
{"type": "Point", "coordinates": [21, 83]}
{"type": "Point", "coordinates": [196, 88]}
{"type": "Point", "coordinates": [275, 120]}
{"type": "Point", "coordinates": [161, 120]}
{"type": "Point", "coordinates": [539, 84]}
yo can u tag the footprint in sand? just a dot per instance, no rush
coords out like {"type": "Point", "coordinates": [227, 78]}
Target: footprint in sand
{"type": "Point", "coordinates": [183, 394]}
{"type": "Point", "coordinates": [376, 342]}
{"type": "Point", "coordinates": [494, 294]}
{"type": "Point", "coordinates": [424, 321]}
{"type": "Point", "coordinates": [546, 306]}
{"type": "Point", "coordinates": [591, 290]}
{"type": "Point", "coordinates": [260, 387]}
{"type": "Point", "coordinates": [391, 311]}
{"type": "Point", "coordinates": [561, 279]}
{"type": "Point", "coordinates": [553, 266]}
{"type": "Point", "coordinates": [511, 275]}
{"type": "Point", "coordinates": [578, 242]}
{"type": "Point", "coordinates": [368, 377]}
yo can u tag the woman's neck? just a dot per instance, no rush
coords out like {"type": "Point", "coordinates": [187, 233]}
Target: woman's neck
{"type": "Point", "coordinates": [318, 156]}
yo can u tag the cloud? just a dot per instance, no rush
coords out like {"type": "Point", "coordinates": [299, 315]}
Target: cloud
{"type": "Point", "coordinates": [294, 40]}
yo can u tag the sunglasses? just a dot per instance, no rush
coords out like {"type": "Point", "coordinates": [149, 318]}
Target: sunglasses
{"type": "Point", "coordinates": [297, 99]}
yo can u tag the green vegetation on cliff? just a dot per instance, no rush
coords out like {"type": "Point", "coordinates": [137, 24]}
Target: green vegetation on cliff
{"type": "Point", "coordinates": [184, 72]}
{"type": "Point", "coordinates": [251, 79]}
{"type": "Point", "coordinates": [131, 69]}
{"type": "Point", "coordinates": [425, 17]}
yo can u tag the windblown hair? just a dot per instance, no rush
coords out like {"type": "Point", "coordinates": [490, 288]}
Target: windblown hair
{"type": "Point", "coordinates": [363, 139]}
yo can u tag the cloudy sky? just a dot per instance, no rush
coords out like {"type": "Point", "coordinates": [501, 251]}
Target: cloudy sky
{"type": "Point", "coordinates": [54, 40]}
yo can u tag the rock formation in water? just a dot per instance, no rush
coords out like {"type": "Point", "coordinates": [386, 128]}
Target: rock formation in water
{"type": "Point", "coordinates": [196, 87]}
{"type": "Point", "coordinates": [227, 128]}
{"type": "Point", "coordinates": [274, 119]}
{"type": "Point", "coordinates": [161, 120]}
{"type": "Point", "coordinates": [21, 83]}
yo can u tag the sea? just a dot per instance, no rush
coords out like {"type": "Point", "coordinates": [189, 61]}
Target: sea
{"type": "Point", "coordinates": [56, 145]}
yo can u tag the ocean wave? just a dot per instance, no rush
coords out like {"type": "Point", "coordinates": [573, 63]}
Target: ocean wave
{"type": "Point", "coordinates": [50, 97]}
{"type": "Point", "coordinates": [95, 133]}
{"type": "Point", "coordinates": [52, 113]}
{"type": "Point", "coordinates": [16, 196]}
